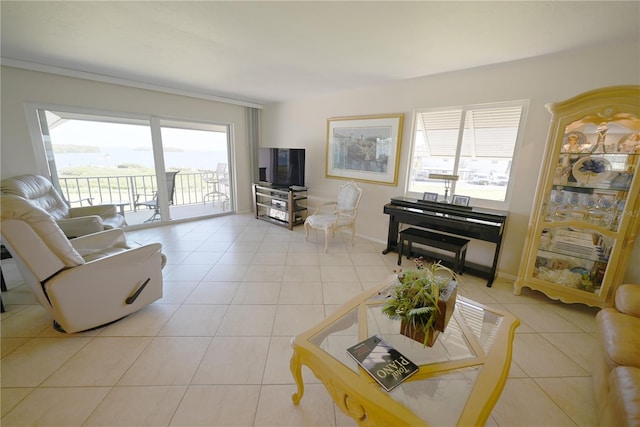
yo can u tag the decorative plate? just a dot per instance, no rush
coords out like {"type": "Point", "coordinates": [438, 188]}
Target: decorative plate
{"type": "Point", "coordinates": [591, 170]}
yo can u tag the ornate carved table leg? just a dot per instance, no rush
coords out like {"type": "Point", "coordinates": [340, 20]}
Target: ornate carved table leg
{"type": "Point", "coordinates": [296, 371]}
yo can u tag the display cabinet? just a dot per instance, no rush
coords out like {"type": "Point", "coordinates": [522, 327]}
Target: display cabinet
{"type": "Point", "coordinates": [584, 220]}
{"type": "Point", "coordinates": [281, 206]}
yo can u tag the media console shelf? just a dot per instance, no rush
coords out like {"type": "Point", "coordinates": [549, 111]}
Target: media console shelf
{"type": "Point", "coordinates": [280, 206]}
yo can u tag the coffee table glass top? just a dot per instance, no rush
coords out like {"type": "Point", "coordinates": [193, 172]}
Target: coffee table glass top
{"type": "Point", "coordinates": [449, 371]}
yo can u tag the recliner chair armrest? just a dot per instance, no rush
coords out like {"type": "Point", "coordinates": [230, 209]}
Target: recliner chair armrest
{"type": "Point", "coordinates": [100, 240]}
{"type": "Point", "coordinates": [97, 246]}
{"type": "Point", "coordinates": [628, 299]}
{"type": "Point", "coordinates": [100, 210]}
{"type": "Point", "coordinates": [74, 227]}
{"type": "Point", "coordinates": [130, 256]}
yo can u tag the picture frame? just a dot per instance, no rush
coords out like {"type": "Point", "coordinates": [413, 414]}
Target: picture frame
{"type": "Point", "coordinates": [430, 197]}
{"type": "Point", "coordinates": [364, 148]}
{"type": "Point", "coordinates": [460, 200]}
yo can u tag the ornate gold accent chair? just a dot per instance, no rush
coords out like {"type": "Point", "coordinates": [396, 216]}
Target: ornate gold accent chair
{"type": "Point", "coordinates": [341, 216]}
{"type": "Point", "coordinates": [84, 282]}
{"type": "Point", "coordinates": [74, 221]}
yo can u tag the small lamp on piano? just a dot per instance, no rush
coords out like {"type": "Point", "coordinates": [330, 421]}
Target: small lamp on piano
{"type": "Point", "coordinates": [447, 182]}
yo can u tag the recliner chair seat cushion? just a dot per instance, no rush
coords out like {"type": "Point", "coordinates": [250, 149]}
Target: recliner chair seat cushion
{"type": "Point", "coordinates": [116, 221]}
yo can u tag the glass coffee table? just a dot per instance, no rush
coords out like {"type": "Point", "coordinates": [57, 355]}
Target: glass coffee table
{"type": "Point", "coordinates": [460, 378]}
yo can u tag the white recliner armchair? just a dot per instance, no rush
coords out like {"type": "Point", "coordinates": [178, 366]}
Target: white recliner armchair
{"type": "Point", "coordinates": [74, 222]}
{"type": "Point", "coordinates": [84, 282]}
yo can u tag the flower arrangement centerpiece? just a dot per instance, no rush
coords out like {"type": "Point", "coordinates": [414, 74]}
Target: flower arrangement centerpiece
{"type": "Point", "coordinates": [423, 299]}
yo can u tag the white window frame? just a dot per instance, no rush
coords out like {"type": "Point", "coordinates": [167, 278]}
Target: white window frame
{"type": "Point", "coordinates": [154, 122]}
{"type": "Point", "coordinates": [475, 201]}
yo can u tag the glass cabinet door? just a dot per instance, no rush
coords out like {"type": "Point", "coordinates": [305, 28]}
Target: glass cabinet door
{"type": "Point", "coordinates": [583, 226]}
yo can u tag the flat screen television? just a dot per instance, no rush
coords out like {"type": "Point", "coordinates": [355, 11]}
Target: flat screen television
{"type": "Point", "coordinates": [282, 167]}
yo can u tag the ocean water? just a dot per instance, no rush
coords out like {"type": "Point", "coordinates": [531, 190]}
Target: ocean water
{"type": "Point", "coordinates": [199, 160]}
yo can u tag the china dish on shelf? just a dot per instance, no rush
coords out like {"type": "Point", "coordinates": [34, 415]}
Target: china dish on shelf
{"type": "Point", "coordinates": [591, 170]}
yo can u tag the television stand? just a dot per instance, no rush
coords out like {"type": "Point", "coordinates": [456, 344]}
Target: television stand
{"type": "Point", "coordinates": [281, 206]}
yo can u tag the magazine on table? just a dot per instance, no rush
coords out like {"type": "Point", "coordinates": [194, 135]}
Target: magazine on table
{"type": "Point", "coordinates": [384, 363]}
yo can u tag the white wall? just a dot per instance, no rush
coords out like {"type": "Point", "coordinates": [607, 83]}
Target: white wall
{"type": "Point", "coordinates": [21, 86]}
{"type": "Point", "coordinates": [303, 123]}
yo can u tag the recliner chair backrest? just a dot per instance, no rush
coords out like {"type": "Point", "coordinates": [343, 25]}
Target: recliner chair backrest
{"type": "Point", "coordinates": [37, 244]}
{"type": "Point", "coordinates": [38, 190]}
{"type": "Point", "coordinates": [34, 234]}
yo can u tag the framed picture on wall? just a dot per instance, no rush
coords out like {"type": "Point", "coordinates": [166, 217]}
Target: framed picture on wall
{"type": "Point", "coordinates": [460, 200]}
{"type": "Point", "coordinates": [364, 148]}
{"type": "Point", "coordinates": [430, 197]}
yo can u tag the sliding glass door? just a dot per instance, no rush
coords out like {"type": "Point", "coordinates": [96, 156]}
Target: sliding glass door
{"type": "Point", "coordinates": [199, 153]}
{"type": "Point", "coordinates": [152, 169]}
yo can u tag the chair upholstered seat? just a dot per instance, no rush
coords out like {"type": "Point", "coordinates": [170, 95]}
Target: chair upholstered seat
{"type": "Point", "coordinates": [342, 216]}
{"type": "Point", "coordinates": [328, 221]}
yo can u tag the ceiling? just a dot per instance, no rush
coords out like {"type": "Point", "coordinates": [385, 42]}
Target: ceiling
{"type": "Point", "coordinates": [264, 51]}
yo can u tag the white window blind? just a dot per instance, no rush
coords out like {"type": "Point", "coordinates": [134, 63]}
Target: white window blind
{"type": "Point", "coordinates": [475, 142]}
{"type": "Point", "coordinates": [487, 132]}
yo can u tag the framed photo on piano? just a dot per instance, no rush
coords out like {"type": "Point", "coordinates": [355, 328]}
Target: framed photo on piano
{"type": "Point", "coordinates": [430, 197]}
{"type": "Point", "coordinates": [460, 200]}
{"type": "Point", "coordinates": [364, 148]}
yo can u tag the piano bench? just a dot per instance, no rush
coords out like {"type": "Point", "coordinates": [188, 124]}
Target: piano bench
{"type": "Point", "coordinates": [444, 242]}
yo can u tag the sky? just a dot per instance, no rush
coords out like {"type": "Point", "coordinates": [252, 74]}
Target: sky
{"type": "Point", "coordinates": [101, 134]}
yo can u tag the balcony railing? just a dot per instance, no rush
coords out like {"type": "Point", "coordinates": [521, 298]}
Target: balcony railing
{"type": "Point", "coordinates": [190, 188]}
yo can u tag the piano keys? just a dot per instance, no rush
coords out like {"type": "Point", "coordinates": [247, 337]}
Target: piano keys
{"type": "Point", "coordinates": [477, 223]}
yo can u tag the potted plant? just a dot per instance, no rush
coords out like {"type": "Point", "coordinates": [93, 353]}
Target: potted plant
{"type": "Point", "coordinates": [423, 299]}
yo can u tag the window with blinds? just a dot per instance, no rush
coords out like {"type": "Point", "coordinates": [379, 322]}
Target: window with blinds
{"type": "Point", "coordinates": [475, 143]}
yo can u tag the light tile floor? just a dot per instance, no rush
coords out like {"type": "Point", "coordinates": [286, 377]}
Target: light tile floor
{"type": "Point", "coordinates": [215, 349]}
